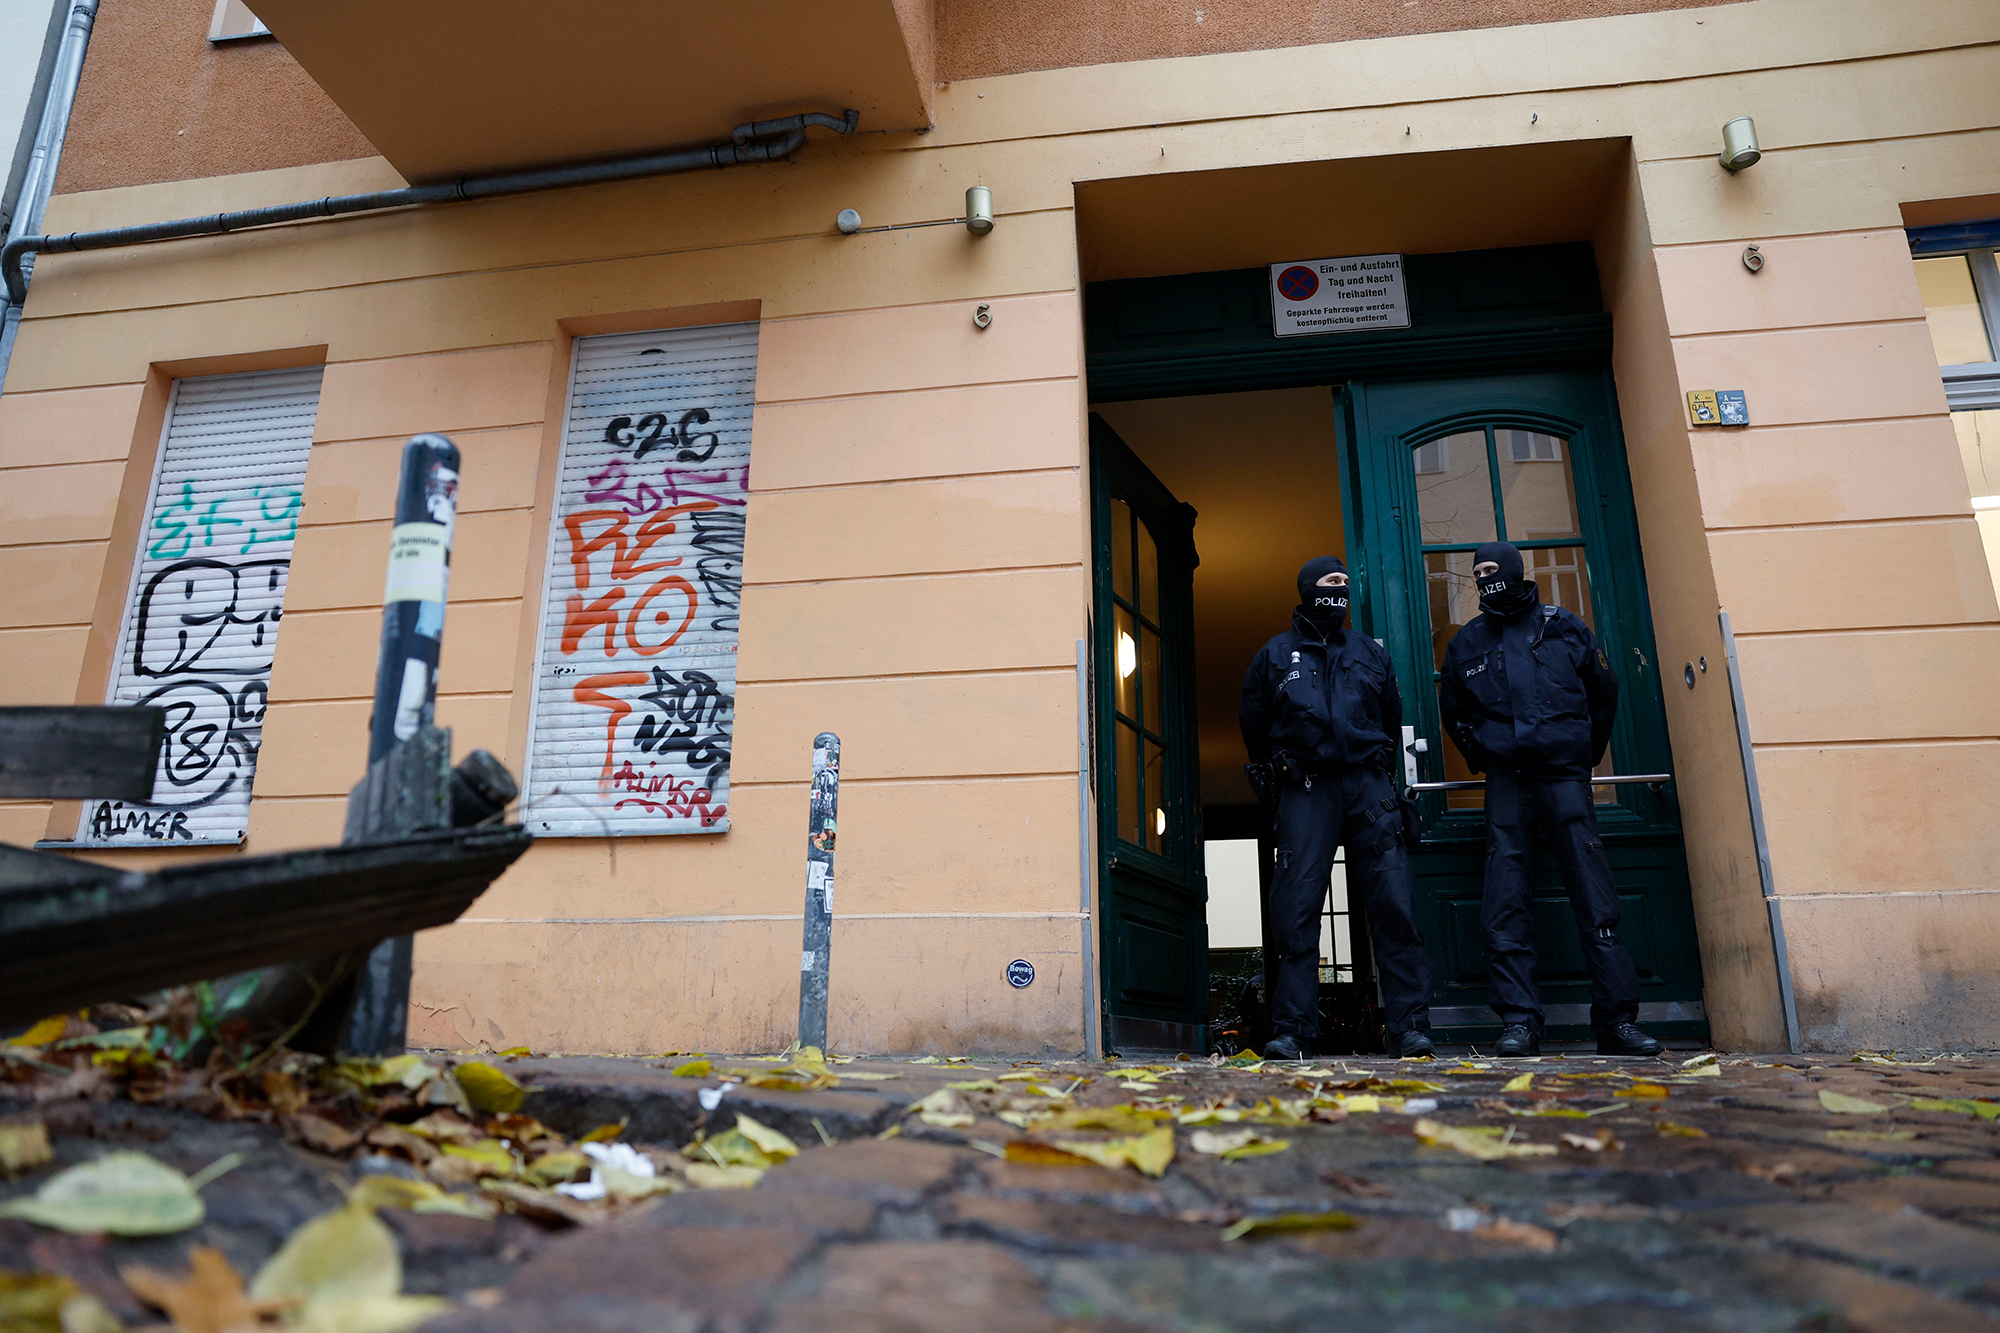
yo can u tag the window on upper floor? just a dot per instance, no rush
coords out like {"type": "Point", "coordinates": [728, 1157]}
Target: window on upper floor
{"type": "Point", "coordinates": [1957, 274]}
{"type": "Point", "coordinates": [233, 20]}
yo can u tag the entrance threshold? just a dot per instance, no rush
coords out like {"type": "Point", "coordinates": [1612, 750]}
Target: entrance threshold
{"type": "Point", "coordinates": [1128, 1036]}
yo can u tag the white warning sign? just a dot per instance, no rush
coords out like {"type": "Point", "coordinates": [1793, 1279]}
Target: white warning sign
{"type": "Point", "coordinates": [1338, 295]}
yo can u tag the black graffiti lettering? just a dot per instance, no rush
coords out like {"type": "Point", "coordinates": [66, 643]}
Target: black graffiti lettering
{"type": "Point", "coordinates": [217, 595]}
{"type": "Point", "coordinates": [718, 534]}
{"type": "Point", "coordinates": [685, 704]}
{"type": "Point", "coordinates": [688, 453]}
{"type": "Point", "coordinates": [206, 750]}
{"type": "Point", "coordinates": [112, 819]}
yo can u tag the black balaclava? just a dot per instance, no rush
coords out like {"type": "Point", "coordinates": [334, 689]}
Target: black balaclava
{"type": "Point", "coordinates": [1326, 608]}
{"type": "Point", "coordinates": [1508, 592]}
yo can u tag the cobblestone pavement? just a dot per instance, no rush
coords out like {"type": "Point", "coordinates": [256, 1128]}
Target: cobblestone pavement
{"type": "Point", "coordinates": [1762, 1193]}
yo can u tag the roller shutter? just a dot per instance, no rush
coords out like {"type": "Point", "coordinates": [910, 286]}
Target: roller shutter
{"type": "Point", "coordinates": [201, 621]}
{"type": "Point", "coordinates": [635, 673]}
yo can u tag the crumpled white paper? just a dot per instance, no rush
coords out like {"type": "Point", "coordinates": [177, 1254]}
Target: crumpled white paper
{"type": "Point", "coordinates": [608, 1157]}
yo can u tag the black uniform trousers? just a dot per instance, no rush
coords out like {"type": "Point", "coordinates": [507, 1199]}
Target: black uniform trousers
{"type": "Point", "coordinates": [1516, 807]}
{"type": "Point", "coordinates": [1357, 809]}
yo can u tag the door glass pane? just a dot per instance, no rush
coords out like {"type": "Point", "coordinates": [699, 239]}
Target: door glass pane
{"type": "Point", "coordinates": [1536, 485]}
{"type": "Point", "coordinates": [1951, 307]}
{"type": "Point", "coordinates": [1454, 597]}
{"type": "Point", "coordinates": [1121, 550]}
{"type": "Point", "coordinates": [1149, 677]}
{"type": "Point", "coordinates": [1125, 693]}
{"type": "Point", "coordinates": [1149, 576]}
{"type": "Point", "coordinates": [1454, 489]}
{"type": "Point", "coordinates": [1979, 448]}
{"type": "Point", "coordinates": [1562, 578]}
{"type": "Point", "coordinates": [1128, 785]}
{"type": "Point", "coordinates": [1156, 795]}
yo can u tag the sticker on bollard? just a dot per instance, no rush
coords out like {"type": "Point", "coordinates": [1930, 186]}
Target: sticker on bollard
{"type": "Point", "coordinates": [1020, 974]}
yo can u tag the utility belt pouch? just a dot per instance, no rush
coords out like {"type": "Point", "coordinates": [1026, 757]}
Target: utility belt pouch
{"type": "Point", "coordinates": [1290, 768]}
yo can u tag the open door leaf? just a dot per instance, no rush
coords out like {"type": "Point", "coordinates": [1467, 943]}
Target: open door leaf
{"type": "Point", "coordinates": [121, 1193]}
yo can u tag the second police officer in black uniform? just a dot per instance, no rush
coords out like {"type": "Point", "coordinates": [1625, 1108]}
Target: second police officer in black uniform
{"type": "Point", "coordinates": [1528, 696]}
{"type": "Point", "coordinates": [1321, 714]}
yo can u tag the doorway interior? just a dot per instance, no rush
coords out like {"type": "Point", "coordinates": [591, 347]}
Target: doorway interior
{"type": "Point", "coordinates": [1259, 470]}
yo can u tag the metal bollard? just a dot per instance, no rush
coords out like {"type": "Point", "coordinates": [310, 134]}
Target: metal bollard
{"type": "Point", "coordinates": [815, 960]}
{"type": "Point", "coordinates": [406, 695]}
{"type": "Point", "coordinates": [413, 603]}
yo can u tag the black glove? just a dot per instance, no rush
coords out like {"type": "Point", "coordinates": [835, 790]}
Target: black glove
{"type": "Point", "coordinates": [1264, 781]}
{"type": "Point", "coordinates": [1476, 757]}
{"type": "Point", "coordinates": [1413, 829]}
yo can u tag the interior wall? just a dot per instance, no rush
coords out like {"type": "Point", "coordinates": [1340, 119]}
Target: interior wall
{"type": "Point", "coordinates": [1261, 471]}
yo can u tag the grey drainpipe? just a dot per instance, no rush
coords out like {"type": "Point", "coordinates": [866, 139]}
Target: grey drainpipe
{"type": "Point", "coordinates": [39, 179]}
{"type": "Point", "coordinates": [1781, 955]}
{"type": "Point", "coordinates": [758, 141]}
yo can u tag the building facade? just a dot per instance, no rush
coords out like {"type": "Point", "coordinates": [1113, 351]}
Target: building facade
{"type": "Point", "coordinates": [1009, 512]}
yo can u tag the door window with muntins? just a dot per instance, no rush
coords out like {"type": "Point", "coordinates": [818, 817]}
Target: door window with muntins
{"type": "Point", "coordinates": [1138, 689]}
{"type": "Point", "coordinates": [1497, 483]}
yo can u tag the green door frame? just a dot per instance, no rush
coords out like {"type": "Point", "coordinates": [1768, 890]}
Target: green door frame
{"type": "Point", "coordinates": [1533, 311]}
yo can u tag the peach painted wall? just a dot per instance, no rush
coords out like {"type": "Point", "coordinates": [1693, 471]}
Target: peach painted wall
{"type": "Point", "coordinates": [918, 506]}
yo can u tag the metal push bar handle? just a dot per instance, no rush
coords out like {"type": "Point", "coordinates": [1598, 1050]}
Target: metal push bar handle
{"type": "Point", "coordinates": [1653, 780]}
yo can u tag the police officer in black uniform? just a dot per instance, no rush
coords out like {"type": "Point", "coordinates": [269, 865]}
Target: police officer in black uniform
{"type": "Point", "coordinates": [1321, 714]}
{"type": "Point", "coordinates": [1528, 696]}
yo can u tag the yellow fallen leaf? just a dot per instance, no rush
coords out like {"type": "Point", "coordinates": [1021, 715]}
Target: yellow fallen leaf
{"type": "Point", "coordinates": [419, 1196]}
{"type": "Point", "coordinates": [1962, 1105]}
{"type": "Point", "coordinates": [606, 1133]}
{"type": "Point", "coordinates": [1484, 1147]}
{"type": "Point", "coordinates": [48, 1303]}
{"type": "Point", "coordinates": [121, 1193]}
{"type": "Point", "coordinates": [41, 1034]}
{"type": "Point", "coordinates": [24, 1145]}
{"type": "Point", "coordinates": [708, 1176]}
{"type": "Point", "coordinates": [1668, 1129]}
{"type": "Point", "coordinates": [1842, 1104]}
{"type": "Point", "coordinates": [1704, 1060]}
{"type": "Point", "coordinates": [698, 1068]}
{"type": "Point", "coordinates": [1871, 1135]}
{"type": "Point", "coordinates": [769, 1141]}
{"type": "Point", "coordinates": [1149, 1154]}
{"type": "Point", "coordinates": [1234, 1145]}
{"type": "Point", "coordinates": [490, 1156]}
{"type": "Point", "coordinates": [343, 1270]}
{"type": "Point", "coordinates": [558, 1168]}
{"type": "Point", "coordinates": [488, 1089]}
{"type": "Point", "coordinates": [1644, 1089]}
{"type": "Point", "coordinates": [515, 1051]}
{"type": "Point", "coordinates": [867, 1077]}
{"type": "Point", "coordinates": [1031, 1153]}
{"type": "Point", "coordinates": [944, 1108]}
{"type": "Point", "coordinates": [1363, 1101]}
{"type": "Point", "coordinates": [210, 1299]}
{"type": "Point", "coordinates": [1519, 1083]}
{"type": "Point", "coordinates": [925, 1060]}
{"type": "Point", "coordinates": [1702, 1071]}
{"type": "Point", "coordinates": [1279, 1223]}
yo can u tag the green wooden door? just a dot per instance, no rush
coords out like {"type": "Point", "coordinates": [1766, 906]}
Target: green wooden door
{"type": "Point", "coordinates": [1151, 892]}
{"type": "Point", "coordinates": [1433, 468]}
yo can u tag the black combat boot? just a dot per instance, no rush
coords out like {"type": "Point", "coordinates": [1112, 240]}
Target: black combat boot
{"type": "Point", "coordinates": [1626, 1039]}
{"type": "Point", "coordinates": [1414, 1045]}
{"type": "Point", "coordinates": [1283, 1047]}
{"type": "Point", "coordinates": [1518, 1039]}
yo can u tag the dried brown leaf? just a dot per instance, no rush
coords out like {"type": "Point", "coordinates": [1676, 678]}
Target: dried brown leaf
{"type": "Point", "coordinates": [210, 1299]}
{"type": "Point", "coordinates": [320, 1133]}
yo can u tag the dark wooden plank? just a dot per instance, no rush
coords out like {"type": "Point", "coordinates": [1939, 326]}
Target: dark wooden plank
{"type": "Point", "coordinates": [72, 933]}
{"type": "Point", "coordinates": [108, 754]}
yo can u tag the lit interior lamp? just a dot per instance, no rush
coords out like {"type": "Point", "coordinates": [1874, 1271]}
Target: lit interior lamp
{"type": "Point", "coordinates": [1159, 822]}
{"type": "Point", "coordinates": [1128, 655]}
{"type": "Point", "coordinates": [1739, 144]}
